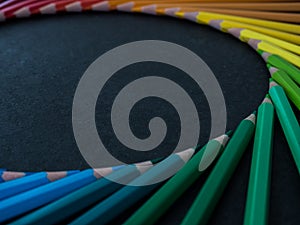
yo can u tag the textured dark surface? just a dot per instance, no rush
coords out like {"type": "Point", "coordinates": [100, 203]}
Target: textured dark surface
{"type": "Point", "coordinates": [42, 60]}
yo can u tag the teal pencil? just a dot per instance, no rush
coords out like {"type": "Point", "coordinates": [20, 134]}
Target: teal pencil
{"type": "Point", "coordinates": [213, 188]}
{"type": "Point", "coordinates": [114, 205]}
{"type": "Point", "coordinates": [257, 203]}
{"type": "Point", "coordinates": [287, 120]}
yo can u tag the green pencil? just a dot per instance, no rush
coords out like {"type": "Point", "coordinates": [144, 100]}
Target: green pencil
{"type": "Point", "coordinates": [260, 175]}
{"type": "Point", "coordinates": [177, 185]}
{"type": "Point", "coordinates": [287, 120]}
{"type": "Point", "coordinates": [215, 184]}
{"type": "Point", "coordinates": [282, 64]}
{"type": "Point", "coordinates": [290, 87]}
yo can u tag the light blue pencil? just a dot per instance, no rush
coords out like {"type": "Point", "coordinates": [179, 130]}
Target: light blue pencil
{"type": "Point", "coordinates": [114, 205]}
{"type": "Point", "coordinates": [16, 186]}
{"type": "Point", "coordinates": [84, 197]}
{"type": "Point", "coordinates": [34, 198]}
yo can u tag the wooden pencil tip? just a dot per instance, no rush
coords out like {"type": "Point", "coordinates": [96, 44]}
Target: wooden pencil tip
{"type": "Point", "coordinates": [253, 43]}
{"type": "Point", "coordinates": [192, 16]}
{"type": "Point", "coordinates": [251, 117]}
{"type": "Point", "coordinates": [272, 70]}
{"type": "Point", "coordinates": [101, 6]}
{"type": "Point", "coordinates": [126, 7]}
{"type": "Point", "coordinates": [171, 11]}
{"type": "Point", "coordinates": [216, 24]}
{"type": "Point", "coordinates": [267, 99]}
{"type": "Point", "coordinates": [236, 32]}
{"type": "Point", "coordinates": [223, 139]}
{"type": "Point", "coordinates": [272, 84]}
{"type": "Point", "coordinates": [150, 9]}
{"type": "Point", "coordinates": [265, 56]}
{"type": "Point", "coordinates": [186, 154]}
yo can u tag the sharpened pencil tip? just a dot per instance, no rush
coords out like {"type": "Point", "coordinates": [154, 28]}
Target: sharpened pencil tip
{"type": "Point", "coordinates": [251, 117]}
{"type": "Point", "coordinates": [267, 99]}
{"type": "Point", "coordinates": [186, 154]}
{"type": "Point", "coordinates": [223, 139]}
{"type": "Point", "coordinates": [272, 84]}
{"type": "Point", "coordinates": [254, 43]}
{"type": "Point", "coordinates": [236, 32]}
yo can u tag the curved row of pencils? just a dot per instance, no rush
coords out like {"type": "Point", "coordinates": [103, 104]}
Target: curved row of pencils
{"type": "Point", "coordinates": [92, 197]}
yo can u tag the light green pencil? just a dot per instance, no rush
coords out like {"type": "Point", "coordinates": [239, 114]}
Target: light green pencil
{"type": "Point", "coordinates": [290, 87]}
{"type": "Point", "coordinates": [287, 120]}
{"type": "Point", "coordinates": [177, 185]}
{"type": "Point", "coordinates": [257, 203]}
{"type": "Point", "coordinates": [213, 188]}
{"type": "Point", "coordinates": [282, 64]}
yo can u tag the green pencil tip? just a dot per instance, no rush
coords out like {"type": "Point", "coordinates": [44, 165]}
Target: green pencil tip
{"type": "Point", "coordinates": [271, 79]}
{"type": "Point", "coordinates": [269, 65]}
{"type": "Point", "coordinates": [229, 133]}
{"type": "Point", "coordinates": [268, 96]}
{"type": "Point", "coordinates": [254, 113]}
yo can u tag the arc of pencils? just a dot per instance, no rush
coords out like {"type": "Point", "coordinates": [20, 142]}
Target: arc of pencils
{"type": "Point", "coordinates": [271, 28]}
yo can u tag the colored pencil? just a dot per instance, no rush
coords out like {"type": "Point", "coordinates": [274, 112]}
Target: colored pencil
{"type": "Point", "coordinates": [282, 64]}
{"type": "Point", "coordinates": [245, 35]}
{"type": "Point", "coordinates": [287, 120]}
{"type": "Point", "coordinates": [114, 205]}
{"type": "Point", "coordinates": [273, 49]}
{"type": "Point", "coordinates": [11, 175]}
{"type": "Point", "coordinates": [17, 186]}
{"type": "Point", "coordinates": [257, 203]}
{"type": "Point", "coordinates": [198, 16]}
{"type": "Point", "coordinates": [83, 198]}
{"type": "Point", "coordinates": [258, 6]}
{"type": "Point", "coordinates": [34, 198]}
{"type": "Point", "coordinates": [178, 184]}
{"type": "Point", "coordinates": [290, 87]}
{"type": "Point", "coordinates": [265, 15]}
{"type": "Point", "coordinates": [225, 25]}
{"type": "Point", "coordinates": [215, 184]}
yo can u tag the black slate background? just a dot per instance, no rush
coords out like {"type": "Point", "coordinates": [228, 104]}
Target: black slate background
{"type": "Point", "coordinates": [42, 60]}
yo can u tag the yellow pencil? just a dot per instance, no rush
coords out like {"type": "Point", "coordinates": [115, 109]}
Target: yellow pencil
{"type": "Point", "coordinates": [207, 16]}
{"type": "Point", "coordinates": [245, 35]}
{"type": "Point", "coordinates": [273, 49]}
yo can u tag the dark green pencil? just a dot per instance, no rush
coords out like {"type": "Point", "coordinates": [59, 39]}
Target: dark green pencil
{"type": "Point", "coordinates": [257, 204]}
{"type": "Point", "coordinates": [218, 179]}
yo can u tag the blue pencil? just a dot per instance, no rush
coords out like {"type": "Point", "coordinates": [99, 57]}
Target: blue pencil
{"type": "Point", "coordinates": [66, 207]}
{"type": "Point", "coordinates": [114, 205]}
{"type": "Point", "coordinates": [13, 187]}
{"type": "Point", "coordinates": [34, 198]}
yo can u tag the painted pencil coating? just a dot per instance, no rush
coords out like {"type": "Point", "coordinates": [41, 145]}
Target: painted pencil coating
{"type": "Point", "coordinates": [17, 186]}
{"type": "Point", "coordinates": [112, 206]}
{"type": "Point", "coordinates": [177, 185]}
{"type": "Point", "coordinates": [260, 175]}
{"type": "Point", "coordinates": [29, 200]}
{"type": "Point", "coordinates": [290, 87]}
{"type": "Point", "coordinates": [282, 64]}
{"type": "Point", "coordinates": [83, 198]}
{"type": "Point", "coordinates": [215, 184]}
{"type": "Point", "coordinates": [287, 120]}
